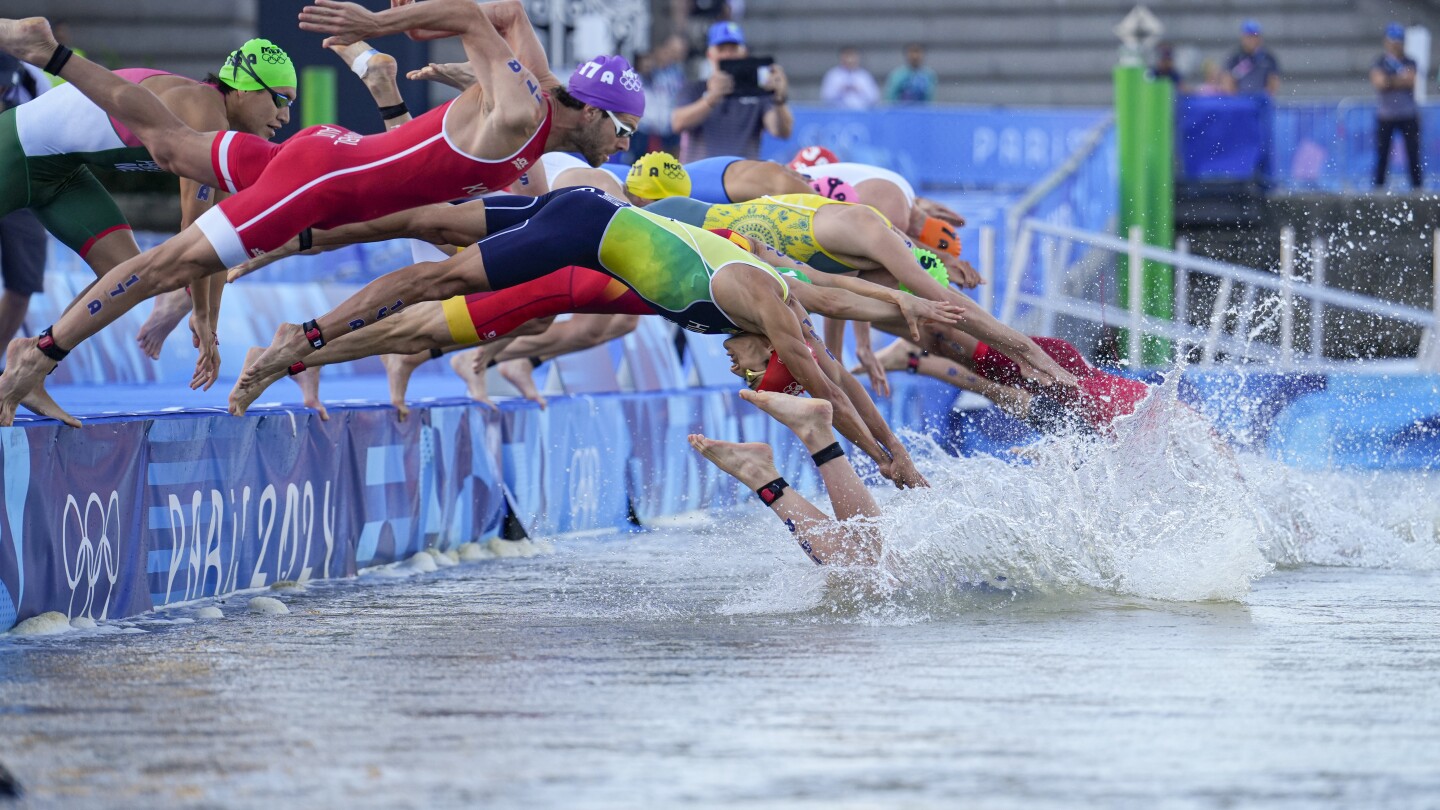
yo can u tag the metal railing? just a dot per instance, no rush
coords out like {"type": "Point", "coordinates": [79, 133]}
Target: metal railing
{"type": "Point", "coordinates": [1239, 341]}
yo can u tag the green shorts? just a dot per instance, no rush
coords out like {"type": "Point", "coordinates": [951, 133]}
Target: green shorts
{"type": "Point", "coordinates": [63, 193]}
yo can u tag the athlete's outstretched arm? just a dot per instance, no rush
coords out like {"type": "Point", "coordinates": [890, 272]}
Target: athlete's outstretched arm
{"type": "Point", "coordinates": [175, 147]}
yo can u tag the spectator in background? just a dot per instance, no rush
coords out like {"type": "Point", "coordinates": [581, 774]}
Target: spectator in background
{"type": "Point", "coordinates": [663, 72]}
{"type": "Point", "coordinates": [714, 120]}
{"type": "Point", "coordinates": [1214, 83]}
{"type": "Point", "coordinates": [1251, 69]}
{"type": "Point", "coordinates": [848, 85]}
{"type": "Point", "coordinates": [22, 237]}
{"type": "Point", "coordinates": [1165, 67]}
{"type": "Point", "coordinates": [912, 82]}
{"type": "Point", "coordinates": [1394, 78]}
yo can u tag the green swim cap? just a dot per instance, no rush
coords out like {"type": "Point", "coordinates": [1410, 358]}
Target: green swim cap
{"type": "Point", "coordinates": [258, 60]}
{"type": "Point", "coordinates": [933, 266]}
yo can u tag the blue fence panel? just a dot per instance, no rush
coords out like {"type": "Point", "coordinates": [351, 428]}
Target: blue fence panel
{"type": "Point", "coordinates": [945, 147]}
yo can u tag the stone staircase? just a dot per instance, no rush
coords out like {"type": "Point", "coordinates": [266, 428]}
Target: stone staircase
{"type": "Point", "coordinates": [1060, 52]}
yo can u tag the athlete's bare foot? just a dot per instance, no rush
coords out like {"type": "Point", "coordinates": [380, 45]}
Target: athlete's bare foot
{"type": "Point", "coordinates": [29, 39]}
{"type": "Point", "coordinates": [474, 380]}
{"type": "Point", "coordinates": [521, 374]}
{"type": "Point", "coordinates": [287, 346]}
{"type": "Point", "coordinates": [40, 403]}
{"type": "Point", "coordinates": [398, 368]}
{"type": "Point", "coordinates": [458, 75]}
{"type": "Point", "coordinates": [896, 356]}
{"type": "Point", "coordinates": [309, 383]}
{"type": "Point", "coordinates": [242, 396]}
{"type": "Point", "coordinates": [169, 310]}
{"type": "Point", "coordinates": [809, 418]}
{"type": "Point", "coordinates": [379, 71]}
{"type": "Point", "coordinates": [752, 463]}
{"type": "Point", "coordinates": [23, 383]}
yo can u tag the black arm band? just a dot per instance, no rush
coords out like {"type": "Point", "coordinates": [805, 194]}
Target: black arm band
{"type": "Point", "coordinates": [830, 453]}
{"type": "Point", "coordinates": [312, 334]}
{"type": "Point", "coordinates": [58, 59]}
{"type": "Point", "coordinates": [307, 239]}
{"type": "Point", "coordinates": [47, 346]}
{"type": "Point", "coordinates": [434, 353]}
{"type": "Point", "coordinates": [771, 492]}
{"type": "Point", "coordinates": [912, 364]}
{"type": "Point", "coordinates": [535, 362]}
{"type": "Point", "coordinates": [394, 111]}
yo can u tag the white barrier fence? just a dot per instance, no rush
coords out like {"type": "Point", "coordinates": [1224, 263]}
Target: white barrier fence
{"type": "Point", "coordinates": [1240, 341]}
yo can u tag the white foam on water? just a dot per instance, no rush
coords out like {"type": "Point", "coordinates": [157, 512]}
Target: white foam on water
{"type": "Point", "coordinates": [268, 606]}
{"type": "Point", "coordinates": [46, 624]}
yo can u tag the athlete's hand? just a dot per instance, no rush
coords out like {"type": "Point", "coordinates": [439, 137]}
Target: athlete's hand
{"type": "Point", "coordinates": [916, 310]}
{"type": "Point", "coordinates": [961, 272]}
{"type": "Point", "coordinates": [458, 75]}
{"type": "Point", "coordinates": [1040, 368]}
{"type": "Point", "coordinates": [207, 366]}
{"type": "Point", "coordinates": [929, 207]}
{"type": "Point", "coordinates": [903, 472]}
{"type": "Point", "coordinates": [879, 380]}
{"type": "Point", "coordinates": [348, 23]}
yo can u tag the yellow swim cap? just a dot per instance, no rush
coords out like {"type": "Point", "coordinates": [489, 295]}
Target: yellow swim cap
{"type": "Point", "coordinates": [658, 175]}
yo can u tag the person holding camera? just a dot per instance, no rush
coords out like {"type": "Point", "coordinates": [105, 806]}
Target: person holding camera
{"type": "Point", "coordinates": [724, 114]}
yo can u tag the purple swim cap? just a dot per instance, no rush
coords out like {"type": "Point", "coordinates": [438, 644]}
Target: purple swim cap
{"type": "Point", "coordinates": [608, 82]}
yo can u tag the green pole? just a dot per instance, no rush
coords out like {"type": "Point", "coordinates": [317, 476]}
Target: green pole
{"type": "Point", "coordinates": [317, 96]}
{"type": "Point", "coordinates": [1159, 278]}
{"type": "Point", "coordinates": [1130, 139]}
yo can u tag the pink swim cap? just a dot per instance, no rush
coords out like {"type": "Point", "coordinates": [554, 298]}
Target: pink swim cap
{"type": "Point", "coordinates": [836, 189]}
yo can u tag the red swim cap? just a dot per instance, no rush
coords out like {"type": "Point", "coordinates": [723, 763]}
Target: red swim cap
{"type": "Point", "coordinates": [778, 378]}
{"type": "Point", "coordinates": [813, 156]}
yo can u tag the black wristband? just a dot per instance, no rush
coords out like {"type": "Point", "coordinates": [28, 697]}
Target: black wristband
{"type": "Point", "coordinates": [312, 334]}
{"type": "Point", "coordinates": [830, 453]}
{"type": "Point", "coordinates": [771, 492]}
{"type": "Point", "coordinates": [47, 346]}
{"type": "Point", "coordinates": [307, 239]}
{"type": "Point", "coordinates": [58, 59]}
{"type": "Point", "coordinates": [535, 362]}
{"type": "Point", "coordinates": [394, 111]}
{"type": "Point", "coordinates": [434, 353]}
{"type": "Point", "coordinates": [912, 365]}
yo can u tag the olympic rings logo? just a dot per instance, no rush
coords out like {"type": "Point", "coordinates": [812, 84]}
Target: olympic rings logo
{"type": "Point", "coordinates": [95, 557]}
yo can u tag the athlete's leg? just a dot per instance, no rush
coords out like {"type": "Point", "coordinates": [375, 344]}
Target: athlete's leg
{"type": "Point", "coordinates": [810, 421]}
{"type": "Point", "coordinates": [177, 148]}
{"type": "Point", "coordinates": [169, 266]}
{"type": "Point", "coordinates": [823, 538]}
{"type": "Point", "coordinates": [417, 329]}
{"type": "Point", "coordinates": [560, 229]}
{"type": "Point", "coordinates": [579, 333]}
{"type": "Point", "coordinates": [749, 179]}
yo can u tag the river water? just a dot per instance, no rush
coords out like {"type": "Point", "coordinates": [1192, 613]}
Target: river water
{"type": "Point", "coordinates": [1146, 623]}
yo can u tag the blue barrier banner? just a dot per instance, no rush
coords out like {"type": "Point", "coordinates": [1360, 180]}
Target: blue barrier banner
{"type": "Point", "coordinates": [469, 494]}
{"type": "Point", "coordinates": [562, 465]}
{"type": "Point", "coordinates": [945, 147]}
{"type": "Point", "coordinates": [245, 503]}
{"type": "Point", "coordinates": [70, 513]}
{"type": "Point", "coordinates": [395, 464]}
{"type": "Point", "coordinates": [1224, 137]}
{"type": "Point", "coordinates": [664, 473]}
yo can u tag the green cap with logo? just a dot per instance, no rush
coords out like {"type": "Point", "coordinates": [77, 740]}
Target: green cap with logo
{"type": "Point", "coordinates": [932, 265]}
{"type": "Point", "coordinates": [257, 61]}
